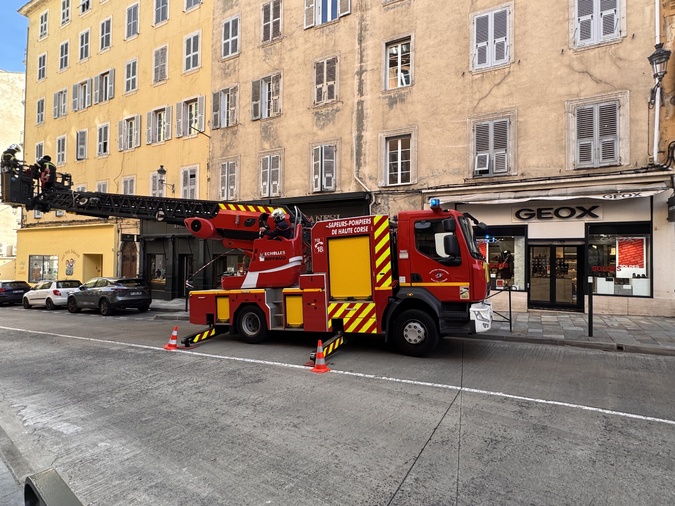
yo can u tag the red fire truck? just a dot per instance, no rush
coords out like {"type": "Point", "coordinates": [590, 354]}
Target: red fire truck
{"type": "Point", "coordinates": [412, 278]}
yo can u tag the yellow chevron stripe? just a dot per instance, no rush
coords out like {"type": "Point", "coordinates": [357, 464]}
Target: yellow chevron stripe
{"type": "Point", "coordinates": [384, 257]}
{"type": "Point", "coordinates": [435, 284]}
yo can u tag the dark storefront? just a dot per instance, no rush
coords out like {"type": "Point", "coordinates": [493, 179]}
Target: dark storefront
{"type": "Point", "coordinates": [174, 261]}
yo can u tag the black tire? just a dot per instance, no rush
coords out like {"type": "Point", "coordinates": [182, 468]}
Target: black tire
{"type": "Point", "coordinates": [143, 309]}
{"type": "Point", "coordinates": [49, 303]}
{"type": "Point", "coordinates": [72, 306]}
{"type": "Point", "coordinates": [104, 308]}
{"type": "Point", "coordinates": [251, 325]}
{"type": "Point", "coordinates": [26, 304]}
{"type": "Point", "coordinates": [415, 333]}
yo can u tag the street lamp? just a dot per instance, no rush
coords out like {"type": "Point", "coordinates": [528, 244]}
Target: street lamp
{"type": "Point", "coordinates": [162, 172]}
{"type": "Point", "coordinates": [659, 61]}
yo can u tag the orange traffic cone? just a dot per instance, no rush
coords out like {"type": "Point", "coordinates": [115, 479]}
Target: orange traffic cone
{"type": "Point", "coordinates": [320, 362]}
{"type": "Point", "coordinates": [172, 344]}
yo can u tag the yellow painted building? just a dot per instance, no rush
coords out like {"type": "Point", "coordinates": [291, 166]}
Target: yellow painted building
{"type": "Point", "coordinates": [113, 92]}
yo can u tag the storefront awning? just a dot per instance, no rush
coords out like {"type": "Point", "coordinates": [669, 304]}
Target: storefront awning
{"type": "Point", "coordinates": [601, 192]}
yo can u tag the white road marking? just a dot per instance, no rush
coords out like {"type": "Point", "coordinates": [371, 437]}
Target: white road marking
{"type": "Point", "coordinates": [367, 376]}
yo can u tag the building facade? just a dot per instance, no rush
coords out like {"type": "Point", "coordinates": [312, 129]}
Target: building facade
{"type": "Point", "coordinates": [538, 118]}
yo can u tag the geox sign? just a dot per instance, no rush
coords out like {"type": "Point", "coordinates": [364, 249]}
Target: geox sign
{"type": "Point", "coordinates": [581, 212]}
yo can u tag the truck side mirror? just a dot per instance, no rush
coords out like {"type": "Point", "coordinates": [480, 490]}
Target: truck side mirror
{"type": "Point", "coordinates": [451, 246]}
{"type": "Point", "coordinates": [449, 225]}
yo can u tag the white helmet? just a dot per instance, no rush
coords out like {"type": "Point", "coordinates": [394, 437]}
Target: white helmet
{"type": "Point", "coordinates": [15, 147]}
{"type": "Point", "coordinates": [278, 214]}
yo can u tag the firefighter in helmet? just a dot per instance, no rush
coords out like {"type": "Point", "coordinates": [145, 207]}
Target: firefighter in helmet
{"type": "Point", "coordinates": [9, 161]}
{"type": "Point", "coordinates": [281, 227]}
{"type": "Point", "coordinates": [47, 172]}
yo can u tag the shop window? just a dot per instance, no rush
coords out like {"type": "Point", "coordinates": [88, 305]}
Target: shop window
{"type": "Point", "coordinates": [43, 267]}
{"type": "Point", "coordinates": [619, 263]}
{"type": "Point", "coordinates": [157, 269]}
{"type": "Point", "coordinates": [505, 254]}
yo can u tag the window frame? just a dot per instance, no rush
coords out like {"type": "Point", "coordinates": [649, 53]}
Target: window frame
{"type": "Point", "coordinates": [60, 103]}
{"type": "Point", "coordinates": [323, 177]}
{"type": "Point", "coordinates": [39, 150]}
{"type": "Point", "coordinates": [43, 25]}
{"type": "Point", "coordinates": [153, 129]}
{"type": "Point", "coordinates": [314, 15]}
{"type": "Point", "coordinates": [131, 80]}
{"type": "Point", "coordinates": [42, 67]}
{"type": "Point", "coordinates": [229, 181]}
{"type": "Point", "coordinates": [129, 185]}
{"type": "Point", "coordinates": [85, 49]}
{"type": "Point", "coordinates": [61, 145]}
{"type": "Point", "coordinates": [266, 97]}
{"type": "Point", "coordinates": [225, 108]}
{"type": "Point", "coordinates": [159, 11]}
{"type": "Point", "coordinates": [265, 166]}
{"type": "Point", "coordinates": [384, 158]}
{"type": "Point", "coordinates": [82, 92]}
{"type": "Point", "coordinates": [622, 99]}
{"type": "Point", "coordinates": [189, 65]}
{"type": "Point", "coordinates": [400, 76]}
{"type": "Point", "coordinates": [132, 21]}
{"type": "Point", "coordinates": [65, 12]}
{"type": "Point", "coordinates": [129, 133]}
{"type": "Point", "coordinates": [81, 138]}
{"type": "Point", "coordinates": [183, 116]}
{"type": "Point", "coordinates": [232, 40]}
{"type": "Point", "coordinates": [268, 21]}
{"type": "Point", "coordinates": [510, 160]}
{"type": "Point", "coordinates": [40, 111]}
{"type": "Point", "coordinates": [492, 44]}
{"type": "Point", "coordinates": [104, 86]}
{"type": "Point", "coordinates": [64, 55]}
{"type": "Point", "coordinates": [159, 65]}
{"type": "Point", "coordinates": [105, 35]}
{"type": "Point", "coordinates": [596, 25]}
{"type": "Point", "coordinates": [189, 185]}
{"type": "Point", "coordinates": [323, 85]}
{"type": "Point", "coordinates": [103, 139]}
{"type": "Point", "coordinates": [192, 4]}
{"type": "Point", "coordinates": [85, 6]}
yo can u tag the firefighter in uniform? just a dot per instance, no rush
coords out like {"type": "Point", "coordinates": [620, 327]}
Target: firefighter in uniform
{"type": "Point", "coordinates": [281, 227]}
{"type": "Point", "coordinates": [9, 161]}
{"type": "Point", "coordinates": [47, 172]}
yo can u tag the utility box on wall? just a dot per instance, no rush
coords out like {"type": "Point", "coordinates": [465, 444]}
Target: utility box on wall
{"type": "Point", "coordinates": [671, 208]}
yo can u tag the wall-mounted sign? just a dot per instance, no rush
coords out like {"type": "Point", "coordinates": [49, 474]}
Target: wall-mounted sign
{"type": "Point", "coordinates": [583, 212]}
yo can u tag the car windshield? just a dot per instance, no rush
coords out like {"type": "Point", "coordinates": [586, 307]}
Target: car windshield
{"type": "Point", "coordinates": [71, 283]}
{"type": "Point", "coordinates": [131, 283]}
{"type": "Point", "coordinates": [17, 284]}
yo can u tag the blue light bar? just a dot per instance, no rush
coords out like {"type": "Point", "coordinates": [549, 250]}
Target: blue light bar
{"type": "Point", "coordinates": [435, 203]}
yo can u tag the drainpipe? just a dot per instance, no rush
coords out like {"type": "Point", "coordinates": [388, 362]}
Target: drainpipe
{"type": "Point", "coordinates": [657, 105]}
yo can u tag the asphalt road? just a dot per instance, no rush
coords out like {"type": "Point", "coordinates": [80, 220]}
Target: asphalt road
{"type": "Point", "coordinates": [127, 423]}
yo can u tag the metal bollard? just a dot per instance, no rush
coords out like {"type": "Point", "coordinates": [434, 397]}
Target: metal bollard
{"type": "Point", "coordinates": [47, 488]}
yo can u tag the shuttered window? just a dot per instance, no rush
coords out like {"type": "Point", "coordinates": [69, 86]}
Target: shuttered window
{"type": "Point", "coordinates": [266, 97]}
{"type": "Point", "coordinates": [325, 78]}
{"type": "Point", "coordinates": [596, 21]}
{"type": "Point", "coordinates": [270, 175]}
{"type": "Point", "coordinates": [318, 12]}
{"type": "Point", "coordinates": [189, 183]}
{"type": "Point", "coordinates": [323, 167]}
{"type": "Point", "coordinates": [225, 108]}
{"type": "Point", "coordinates": [230, 37]}
{"type": "Point", "coordinates": [491, 39]}
{"type": "Point", "coordinates": [228, 181]}
{"type": "Point", "coordinates": [271, 21]}
{"type": "Point", "coordinates": [81, 142]}
{"type": "Point", "coordinates": [159, 65]}
{"type": "Point", "coordinates": [597, 135]}
{"type": "Point", "coordinates": [491, 148]}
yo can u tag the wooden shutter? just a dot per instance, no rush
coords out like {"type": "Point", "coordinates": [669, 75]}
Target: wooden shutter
{"type": "Point", "coordinates": [201, 106]}
{"type": "Point", "coordinates": [584, 28]}
{"type": "Point", "coordinates": [232, 106]}
{"type": "Point", "coordinates": [319, 80]}
{"type": "Point", "coordinates": [500, 36]}
{"type": "Point", "coordinates": [215, 108]}
{"type": "Point", "coordinates": [64, 102]}
{"type": "Point", "coordinates": [137, 130]}
{"type": "Point", "coordinates": [500, 146]}
{"type": "Point", "coordinates": [231, 180]}
{"type": "Point", "coordinates": [87, 98]}
{"type": "Point", "coordinates": [609, 19]}
{"type": "Point", "coordinates": [75, 97]}
{"type": "Point", "coordinates": [608, 133]}
{"type": "Point", "coordinates": [97, 88]}
{"type": "Point", "coordinates": [111, 84]}
{"type": "Point", "coordinates": [331, 77]}
{"type": "Point", "coordinates": [149, 137]}
{"type": "Point", "coordinates": [276, 19]}
{"type": "Point", "coordinates": [344, 7]}
{"type": "Point", "coordinates": [309, 13]}
{"type": "Point", "coordinates": [316, 168]}
{"type": "Point", "coordinates": [328, 168]}
{"type": "Point", "coordinates": [265, 176]}
{"type": "Point", "coordinates": [121, 130]}
{"type": "Point", "coordinates": [57, 106]}
{"type": "Point", "coordinates": [275, 84]}
{"type": "Point", "coordinates": [275, 175]}
{"type": "Point", "coordinates": [585, 126]}
{"type": "Point", "coordinates": [167, 122]}
{"type": "Point", "coordinates": [255, 99]}
{"type": "Point", "coordinates": [267, 21]}
{"type": "Point", "coordinates": [481, 35]}
{"type": "Point", "coordinates": [179, 119]}
{"type": "Point", "coordinates": [82, 145]}
{"type": "Point", "coordinates": [482, 142]}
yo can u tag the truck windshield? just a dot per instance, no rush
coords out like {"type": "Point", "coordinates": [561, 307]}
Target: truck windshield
{"type": "Point", "coordinates": [467, 229]}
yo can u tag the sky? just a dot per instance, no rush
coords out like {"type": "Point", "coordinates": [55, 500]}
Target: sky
{"type": "Point", "coordinates": [12, 36]}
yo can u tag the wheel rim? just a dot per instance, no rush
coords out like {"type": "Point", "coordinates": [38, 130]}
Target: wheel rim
{"type": "Point", "coordinates": [250, 324]}
{"type": "Point", "coordinates": [414, 332]}
{"type": "Point", "coordinates": [49, 304]}
{"type": "Point", "coordinates": [104, 307]}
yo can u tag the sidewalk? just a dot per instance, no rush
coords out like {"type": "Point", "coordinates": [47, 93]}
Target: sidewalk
{"type": "Point", "coordinates": [632, 334]}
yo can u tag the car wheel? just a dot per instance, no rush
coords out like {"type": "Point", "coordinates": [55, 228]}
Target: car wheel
{"type": "Point", "coordinates": [143, 309]}
{"type": "Point", "coordinates": [104, 308]}
{"type": "Point", "coordinates": [251, 325]}
{"type": "Point", "coordinates": [415, 333]}
{"type": "Point", "coordinates": [72, 306]}
{"type": "Point", "coordinates": [26, 304]}
{"type": "Point", "coordinates": [50, 304]}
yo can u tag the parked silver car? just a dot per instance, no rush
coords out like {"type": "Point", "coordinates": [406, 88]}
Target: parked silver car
{"type": "Point", "coordinates": [109, 294]}
{"type": "Point", "coordinates": [50, 293]}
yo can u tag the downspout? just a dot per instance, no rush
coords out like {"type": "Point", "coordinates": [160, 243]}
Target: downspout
{"type": "Point", "coordinates": [657, 106]}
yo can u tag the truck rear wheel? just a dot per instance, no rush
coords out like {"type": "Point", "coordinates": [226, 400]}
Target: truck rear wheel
{"type": "Point", "coordinates": [415, 333]}
{"type": "Point", "coordinates": [251, 325]}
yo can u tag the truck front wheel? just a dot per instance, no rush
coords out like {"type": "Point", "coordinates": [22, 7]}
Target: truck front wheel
{"type": "Point", "coordinates": [251, 325]}
{"type": "Point", "coordinates": [415, 333]}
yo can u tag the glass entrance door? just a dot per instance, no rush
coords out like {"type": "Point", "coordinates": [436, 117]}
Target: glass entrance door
{"type": "Point", "coordinates": [556, 277]}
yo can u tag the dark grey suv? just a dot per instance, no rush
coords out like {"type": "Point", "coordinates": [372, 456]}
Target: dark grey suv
{"type": "Point", "coordinates": [11, 292]}
{"type": "Point", "coordinates": [108, 294]}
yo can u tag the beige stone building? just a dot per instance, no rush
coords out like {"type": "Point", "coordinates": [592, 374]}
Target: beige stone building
{"type": "Point", "coordinates": [532, 116]}
{"type": "Point", "coordinates": [11, 132]}
{"type": "Point", "coordinates": [535, 117]}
